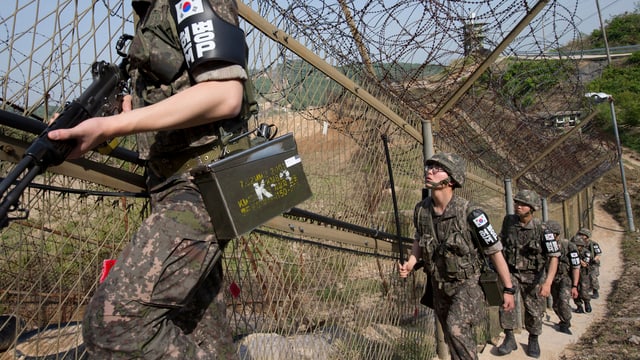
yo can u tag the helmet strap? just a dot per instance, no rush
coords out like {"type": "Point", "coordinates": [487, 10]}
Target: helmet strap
{"type": "Point", "coordinates": [431, 184]}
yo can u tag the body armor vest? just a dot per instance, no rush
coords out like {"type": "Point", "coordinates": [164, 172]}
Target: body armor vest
{"type": "Point", "coordinates": [523, 248]}
{"type": "Point", "coordinates": [448, 248]}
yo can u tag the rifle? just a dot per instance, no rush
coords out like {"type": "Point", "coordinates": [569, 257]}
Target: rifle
{"type": "Point", "coordinates": [385, 141]}
{"type": "Point", "coordinates": [102, 98]}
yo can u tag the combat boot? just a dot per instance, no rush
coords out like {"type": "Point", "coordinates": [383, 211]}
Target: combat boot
{"type": "Point", "coordinates": [580, 309]}
{"type": "Point", "coordinates": [595, 294]}
{"type": "Point", "coordinates": [533, 348]}
{"type": "Point", "coordinates": [564, 327]}
{"type": "Point", "coordinates": [509, 343]}
{"type": "Point", "coordinates": [587, 306]}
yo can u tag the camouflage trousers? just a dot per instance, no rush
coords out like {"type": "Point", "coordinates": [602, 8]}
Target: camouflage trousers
{"type": "Point", "coordinates": [163, 299]}
{"type": "Point", "coordinates": [534, 306]}
{"type": "Point", "coordinates": [460, 309]}
{"type": "Point", "coordinates": [561, 294]}
{"type": "Point", "coordinates": [584, 286]}
{"type": "Point", "coordinates": [594, 272]}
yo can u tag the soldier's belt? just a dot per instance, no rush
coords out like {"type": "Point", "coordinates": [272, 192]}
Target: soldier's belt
{"type": "Point", "coordinates": [182, 163]}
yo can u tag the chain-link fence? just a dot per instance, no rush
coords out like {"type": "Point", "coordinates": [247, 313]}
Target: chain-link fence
{"type": "Point", "coordinates": [322, 282]}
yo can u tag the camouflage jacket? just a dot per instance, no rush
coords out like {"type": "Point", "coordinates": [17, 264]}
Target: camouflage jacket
{"type": "Point", "coordinates": [449, 249]}
{"type": "Point", "coordinates": [158, 70]}
{"type": "Point", "coordinates": [524, 245]}
{"type": "Point", "coordinates": [568, 250]}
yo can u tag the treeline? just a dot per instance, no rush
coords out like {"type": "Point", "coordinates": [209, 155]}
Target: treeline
{"type": "Point", "coordinates": [621, 79]}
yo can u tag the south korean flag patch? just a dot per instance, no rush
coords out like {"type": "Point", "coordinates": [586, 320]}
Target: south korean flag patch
{"type": "Point", "coordinates": [187, 8]}
{"type": "Point", "coordinates": [480, 221]}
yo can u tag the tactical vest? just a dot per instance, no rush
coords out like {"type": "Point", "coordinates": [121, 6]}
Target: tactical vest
{"type": "Point", "coordinates": [158, 70]}
{"type": "Point", "coordinates": [523, 249]}
{"type": "Point", "coordinates": [448, 248]}
{"type": "Point", "coordinates": [564, 261]}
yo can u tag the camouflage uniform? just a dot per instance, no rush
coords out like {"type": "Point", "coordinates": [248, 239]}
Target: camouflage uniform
{"type": "Point", "coordinates": [594, 267]}
{"type": "Point", "coordinates": [452, 262]}
{"type": "Point", "coordinates": [594, 250]}
{"type": "Point", "coordinates": [163, 298]}
{"type": "Point", "coordinates": [563, 282]}
{"type": "Point", "coordinates": [583, 302]}
{"type": "Point", "coordinates": [526, 253]}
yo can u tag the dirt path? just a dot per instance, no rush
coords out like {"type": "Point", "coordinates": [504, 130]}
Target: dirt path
{"type": "Point", "coordinates": [608, 233]}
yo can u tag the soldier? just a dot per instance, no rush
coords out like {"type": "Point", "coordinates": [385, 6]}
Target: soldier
{"type": "Point", "coordinates": [565, 283]}
{"type": "Point", "coordinates": [583, 301]}
{"type": "Point", "coordinates": [532, 254]}
{"type": "Point", "coordinates": [163, 299]}
{"type": "Point", "coordinates": [450, 233]}
{"type": "Point", "coordinates": [594, 267]}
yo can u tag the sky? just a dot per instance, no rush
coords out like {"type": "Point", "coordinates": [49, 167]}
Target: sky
{"type": "Point", "coordinates": [588, 13]}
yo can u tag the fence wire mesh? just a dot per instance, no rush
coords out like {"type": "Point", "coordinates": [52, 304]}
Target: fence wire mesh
{"type": "Point", "coordinates": [340, 76]}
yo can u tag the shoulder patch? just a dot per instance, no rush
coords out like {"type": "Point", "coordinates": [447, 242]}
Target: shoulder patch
{"type": "Point", "coordinates": [187, 8]}
{"type": "Point", "coordinates": [480, 220]}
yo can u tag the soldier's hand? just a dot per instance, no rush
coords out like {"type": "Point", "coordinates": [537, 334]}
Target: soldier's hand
{"type": "Point", "coordinates": [126, 103]}
{"type": "Point", "coordinates": [508, 302]}
{"type": "Point", "coordinates": [574, 293]}
{"type": "Point", "coordinates": [53, 118]}
{"type": "Point", "coordinates": [405, 269]}
{"type": "Point", "coordinates": [545, 290]}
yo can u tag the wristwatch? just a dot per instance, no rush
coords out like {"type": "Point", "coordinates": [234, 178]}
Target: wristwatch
{"type": "Point", "coordinates": [509, 290]}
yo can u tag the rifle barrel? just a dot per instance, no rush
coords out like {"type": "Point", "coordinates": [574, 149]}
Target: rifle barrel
{"type": "Point", "coordinates": [385, 141]}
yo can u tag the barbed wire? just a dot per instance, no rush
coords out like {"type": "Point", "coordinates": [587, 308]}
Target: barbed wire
{"type": "Point", "coordinates": [410, 50]}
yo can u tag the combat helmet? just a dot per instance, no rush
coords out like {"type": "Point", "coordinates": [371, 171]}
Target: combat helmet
{"type": "Point", "coordinates": [586, 232]}
{"type": "Point", "coordinates": [528, 197]}
{"type": "Point", "coordinates": [554, 226]}
{"type": "Point", "coordinates": [453, 164]}
{"type": "Point", "coordinates": [578, 240]}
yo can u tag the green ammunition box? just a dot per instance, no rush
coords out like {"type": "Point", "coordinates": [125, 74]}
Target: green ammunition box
{"type": "Point", "coordinates": [246, 189]}
{"type": "Point", "coordinates": [492, 288]}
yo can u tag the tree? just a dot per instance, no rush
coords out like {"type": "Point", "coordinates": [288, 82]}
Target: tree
{"type": "Point", "coordinates": [621, 30]}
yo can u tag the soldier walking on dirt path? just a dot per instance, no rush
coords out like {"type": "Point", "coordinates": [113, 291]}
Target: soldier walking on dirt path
{"type": "Point", "coordinates": [532, 253]}
{"type": "Point", "coordinates": [565, 283]}
{"type": "Point", "coordinates": [450, 234]}
{"type": "Point", "coordinates": [585, 290]}
{"type": "Point", "coordinates": [594, 266]}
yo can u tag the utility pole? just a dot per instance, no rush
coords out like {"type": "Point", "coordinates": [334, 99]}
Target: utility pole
{"type": "Point", "coordinates": [604, 33]}
{"type": "Point", "coordinates": [598, 98]}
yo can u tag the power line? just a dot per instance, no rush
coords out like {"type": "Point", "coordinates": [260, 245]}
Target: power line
{"type": "Point", "coordinates": [595, 12]}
